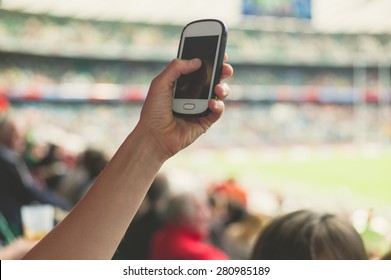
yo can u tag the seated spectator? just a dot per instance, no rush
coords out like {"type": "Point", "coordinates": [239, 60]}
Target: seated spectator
{"type": "Point", "coordinates": [228, 202]}
{"type": "Point", "coordinates": [136, 243]}
{"type": "Point", "coordinates": [230, 189]}
{"type": "Point", "coordinates": [307, 235]}
{"type": "Point", "coordinates": [183, 237]}
{"type": "Point", "coordinates": [80, 178]}
{"type": "Point", "coordinates": [52, 167]}
{"type": "Point", "coordinates": [18, 187]}
{"type": "Point", "coordinates": [239, 237]}
{"type": "Point", "coordinates": [234, 228]}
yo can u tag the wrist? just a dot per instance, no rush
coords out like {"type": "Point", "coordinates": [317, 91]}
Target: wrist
{"type": "Point", "coordinates": [149, 145]}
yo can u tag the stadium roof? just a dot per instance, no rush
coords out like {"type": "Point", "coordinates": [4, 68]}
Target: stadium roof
{"type": "Point", "coordinates": [356, 16]}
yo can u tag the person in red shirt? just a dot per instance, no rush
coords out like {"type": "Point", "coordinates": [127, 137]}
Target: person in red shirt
{"type": "Point", "coordinates": [184, 235]}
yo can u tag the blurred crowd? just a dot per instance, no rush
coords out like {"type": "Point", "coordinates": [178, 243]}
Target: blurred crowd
{"type": "Point", "coordinates": [214, 222]}
{"type": "Point", "coordinates": [121, 39]}
{"type": "Point", "coordinates": [122, 54]}
{"type": "Point", "coordinates": [115, 61]}
{"type": "Point", "coordinates": [77, 125]}
{"type": "Point", "coordinates": [52, 78]}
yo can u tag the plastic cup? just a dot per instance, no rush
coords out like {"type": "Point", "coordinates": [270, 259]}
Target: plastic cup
{"type": "Point", "coordinates": [37, 220]}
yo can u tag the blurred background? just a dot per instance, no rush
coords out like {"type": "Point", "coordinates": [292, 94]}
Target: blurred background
{"type": "Point", "coordinates": [308, 122]}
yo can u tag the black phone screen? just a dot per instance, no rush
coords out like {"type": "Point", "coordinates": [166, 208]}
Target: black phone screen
{"type": "Point", "coordinates": [196, 85]}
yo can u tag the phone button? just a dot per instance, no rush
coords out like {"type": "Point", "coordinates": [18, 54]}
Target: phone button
{"type": "Point", "coordinates": [189, 106]}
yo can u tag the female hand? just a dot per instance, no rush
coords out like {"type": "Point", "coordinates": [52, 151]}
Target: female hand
{"type": "Point", "coordinates": [170, 132]}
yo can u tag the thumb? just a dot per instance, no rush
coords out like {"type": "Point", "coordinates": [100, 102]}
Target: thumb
{"type": "Point", "coordinates": [177, 68]}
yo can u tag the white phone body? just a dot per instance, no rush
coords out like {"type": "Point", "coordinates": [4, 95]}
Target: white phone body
{"type": "Point", "coordinates": [206, 40]}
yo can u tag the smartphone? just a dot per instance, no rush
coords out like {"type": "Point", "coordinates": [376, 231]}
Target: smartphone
{"type": "Point", "coordinates": [204, 39]}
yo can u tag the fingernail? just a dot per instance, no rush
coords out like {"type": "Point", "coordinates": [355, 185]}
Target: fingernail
{"type": "Point", "coordinates": [195, 61]}
{"type": "Point", "coordinates": [227, 89]}
{"type": "Point", "coordinates": [218, 103]}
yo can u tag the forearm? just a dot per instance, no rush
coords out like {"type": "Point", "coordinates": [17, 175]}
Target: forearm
{"type": "Point", "coordinates": [96, 225]}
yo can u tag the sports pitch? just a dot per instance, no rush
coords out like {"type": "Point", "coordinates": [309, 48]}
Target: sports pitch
{"type": "Point", "coordinates": [365, 173]}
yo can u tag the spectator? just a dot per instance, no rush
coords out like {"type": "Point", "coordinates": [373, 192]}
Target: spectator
{"type": "Point", "coordinates": [228, 202]}
{"type": "Point", "coordinates": [239, 237]}
{"type": "Point", "coordinates": [234, 228]}
{"type": "Point", "coordinates": [18, 187]}
{"type": "Point", "coordinates": [79, 179]}
{"type": "Point", "coordinates": [307, 235]}
{"type": "Point", "coordinates": [52, 167]}
{"type": "Point", "coordinates": [183, 236]}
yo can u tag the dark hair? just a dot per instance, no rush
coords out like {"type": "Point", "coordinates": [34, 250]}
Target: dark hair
{"type": "Point", "coordinates": [94, 161]}
{"type": "Point", "coordinates": [159, 188]}
{"type": "Point", "coordinates": [307, 235]}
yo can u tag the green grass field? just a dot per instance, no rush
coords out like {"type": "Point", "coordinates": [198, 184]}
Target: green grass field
{"type": "Point", "coordinates": [363, 173]}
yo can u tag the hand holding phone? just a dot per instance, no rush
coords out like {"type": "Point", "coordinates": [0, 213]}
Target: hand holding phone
{"type": "Point", "coordinates": [204, 39]}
